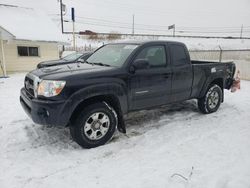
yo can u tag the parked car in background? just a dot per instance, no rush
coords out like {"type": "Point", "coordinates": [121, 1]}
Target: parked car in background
{"type": "Point", "coordinates": [71, 58]}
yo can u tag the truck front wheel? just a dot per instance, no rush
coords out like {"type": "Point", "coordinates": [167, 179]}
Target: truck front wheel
{"type": "Point", "coordinates": [211, 101]}
{"type": "Point", "coordinates": [94, 125]}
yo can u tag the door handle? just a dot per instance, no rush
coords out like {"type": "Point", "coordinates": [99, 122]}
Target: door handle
{"type": "Point", "coordinates": [167, 75]}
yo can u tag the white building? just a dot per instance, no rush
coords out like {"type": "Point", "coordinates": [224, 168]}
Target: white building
{"type": "Point", "coordinates": [27, 37]}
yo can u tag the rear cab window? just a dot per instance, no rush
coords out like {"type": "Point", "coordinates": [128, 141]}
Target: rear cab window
{"type": "Point", "coordinates": [178, 54]}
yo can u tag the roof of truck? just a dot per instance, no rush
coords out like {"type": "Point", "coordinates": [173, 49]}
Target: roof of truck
{"type": "Point", "coordinates": [146, 42]}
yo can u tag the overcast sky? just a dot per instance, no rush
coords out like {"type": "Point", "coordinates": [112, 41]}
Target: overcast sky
{"type": "Point", "coordinates": [192, 16]}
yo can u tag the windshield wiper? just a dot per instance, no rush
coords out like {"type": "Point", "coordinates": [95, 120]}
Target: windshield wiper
{"type": "Point", "coordinates": [93, 63]}
{"type": "Point", "coordinates": [101, 64]}
{"type": "Point", "coordinates": [81, 61]}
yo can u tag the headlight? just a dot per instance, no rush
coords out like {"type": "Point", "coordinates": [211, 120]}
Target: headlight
{"type": "Point", "coordinates": [50, 88]}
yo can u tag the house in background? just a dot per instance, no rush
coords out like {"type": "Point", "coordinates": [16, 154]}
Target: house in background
{"type": "Point", "coordinates": [27, 37]}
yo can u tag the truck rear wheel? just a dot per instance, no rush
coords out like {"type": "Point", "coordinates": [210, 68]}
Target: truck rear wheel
{"type": "Point", "coordinates": [94, 126]}
{"type": "Point", "coordinates": [211, 101]}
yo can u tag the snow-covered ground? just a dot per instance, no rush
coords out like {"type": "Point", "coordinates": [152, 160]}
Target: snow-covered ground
{"type": "Point", "coordinates": [209, 151]}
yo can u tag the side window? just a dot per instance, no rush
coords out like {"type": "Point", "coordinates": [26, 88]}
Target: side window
{"type": "Point", "coordinates": [179, 56]}
{"type": "Point", "coordinates": [156, 56]}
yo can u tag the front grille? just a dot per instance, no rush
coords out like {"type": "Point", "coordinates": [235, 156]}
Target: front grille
{"type": "Point", "coordinates": [29, 85]}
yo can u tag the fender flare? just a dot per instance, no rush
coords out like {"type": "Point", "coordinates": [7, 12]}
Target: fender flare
{"type": "Point", "coordinates": [208, 82]}
{"type": "Point", "coordinates": [113, 89]}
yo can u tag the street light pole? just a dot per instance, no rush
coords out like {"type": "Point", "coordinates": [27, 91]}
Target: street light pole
{"type": "Point", "coordinates": [61, 12]}
{"type": "Point", "coordinates": [74, 36]}
{"type": "Point", "coordinates": [73, 21]}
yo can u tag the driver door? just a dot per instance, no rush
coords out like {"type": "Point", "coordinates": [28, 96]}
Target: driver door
{"type": "Point", "coordinates": [151, 86]}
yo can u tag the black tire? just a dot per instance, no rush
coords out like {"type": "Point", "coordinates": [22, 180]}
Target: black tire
{"type": "Point", "coordinates": [205, 103]}
{"type": "Point", "coordinates": [78, 126]}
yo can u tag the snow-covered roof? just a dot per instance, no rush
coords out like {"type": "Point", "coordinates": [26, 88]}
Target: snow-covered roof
{"type": "Point", "coordinates": [27, 24]}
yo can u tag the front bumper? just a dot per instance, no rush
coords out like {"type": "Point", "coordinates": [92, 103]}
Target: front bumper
{"type": "Point", "coordinates": [44, 112]}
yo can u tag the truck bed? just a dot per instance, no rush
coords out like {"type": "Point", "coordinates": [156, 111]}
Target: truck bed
{"type": "Point", "coordinates": [206, 62]}
{"type": "Point", "coordinates": [204, 70]}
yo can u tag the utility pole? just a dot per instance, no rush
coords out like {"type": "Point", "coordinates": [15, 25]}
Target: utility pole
{"type": "Point", "coordinates": [133, 25]}
{"type": "Point", "coordinates": [74, 36]}
{"type": "Point", "coordinates": [241, 31]}
{"type": "Point", "coordinates": [220, 57]}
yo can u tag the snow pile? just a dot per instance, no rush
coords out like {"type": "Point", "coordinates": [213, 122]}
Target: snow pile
{"type": "Point", "coordinates": [161, 146]}
{"type": "Point", "coordinates": [29, 24]}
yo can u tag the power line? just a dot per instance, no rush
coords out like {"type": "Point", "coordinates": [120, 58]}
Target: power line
{"type": "Point", "coordinates": [117, 26]}
{"type": "Point", "coordinates": [141, 27]}
{"type": "Point", "coordinates": [149, 29]}
{"type": "Point", "coordinates": [157, 29]}
{"type": "Point", "coordinates": [222, 29]}
{"type": "Point", "coordinates": [164, 28]}
{"type": "Point", "coordinates": [184, 27]}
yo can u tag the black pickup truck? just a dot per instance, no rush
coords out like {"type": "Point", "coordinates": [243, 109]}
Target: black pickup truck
{"type": "Point", "coordinates": [92, 97]}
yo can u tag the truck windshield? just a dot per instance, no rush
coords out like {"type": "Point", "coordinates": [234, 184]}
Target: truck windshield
{"type": "Point", "coordinates": [112, 54]}
{"type": "Point", "coordinates": [72, 57]}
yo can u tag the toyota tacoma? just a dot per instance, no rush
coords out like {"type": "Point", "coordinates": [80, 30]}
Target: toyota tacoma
{"type": "Point", "coordinates": [93, 96]}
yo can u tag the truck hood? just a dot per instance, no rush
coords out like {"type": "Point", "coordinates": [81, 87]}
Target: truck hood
{"type": "Point", "coordinates": [52, 62]}
{"type": "Point", "coordinates": [60, 71]}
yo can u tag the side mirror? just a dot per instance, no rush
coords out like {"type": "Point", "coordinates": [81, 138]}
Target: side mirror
{"type": "Point", "coordinates": [140, 64]}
